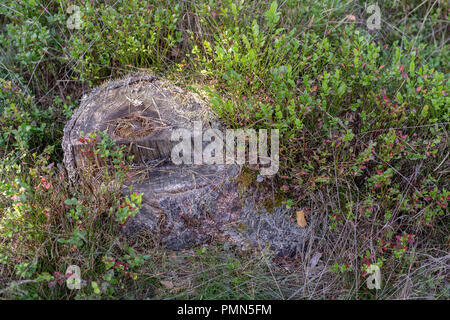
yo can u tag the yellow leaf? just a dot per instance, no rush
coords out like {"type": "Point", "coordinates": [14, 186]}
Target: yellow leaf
{"type": "Point", "coordinates": [301, 221]}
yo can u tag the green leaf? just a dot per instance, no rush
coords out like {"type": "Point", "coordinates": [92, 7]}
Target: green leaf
{"type": "Point", "coordinates": [95, 287]}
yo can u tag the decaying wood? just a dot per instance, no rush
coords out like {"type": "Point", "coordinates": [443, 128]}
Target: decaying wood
{"type": "Point", "coordinates": [139, 112]}
{"type": "Point", "coordinates": [182, 205]}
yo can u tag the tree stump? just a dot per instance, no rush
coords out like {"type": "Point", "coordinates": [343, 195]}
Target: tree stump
{"type": "Point", "coordinates": [183, 205]}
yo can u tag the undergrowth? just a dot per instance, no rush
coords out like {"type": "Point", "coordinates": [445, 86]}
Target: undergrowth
{"type": "Point", "coordinates": [363, 116]}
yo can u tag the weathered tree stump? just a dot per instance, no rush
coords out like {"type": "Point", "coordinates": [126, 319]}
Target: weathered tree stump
{"type": "Point", "coordinates": [183, 205]}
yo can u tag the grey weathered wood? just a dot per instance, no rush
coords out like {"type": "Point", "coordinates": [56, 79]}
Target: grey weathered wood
{"type": "Point", "coordinates": [138, 111]}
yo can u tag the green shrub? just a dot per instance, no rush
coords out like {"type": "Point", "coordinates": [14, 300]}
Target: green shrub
{"type": "Point", "coordinates": [22, 125]}
{"type": "Point", "coordinates": [133, 34]}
